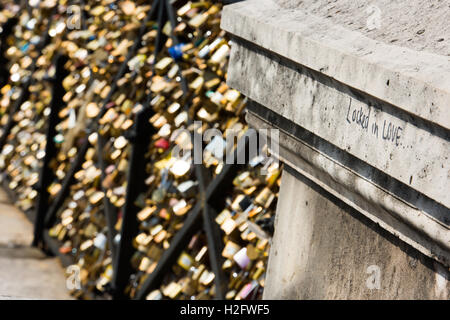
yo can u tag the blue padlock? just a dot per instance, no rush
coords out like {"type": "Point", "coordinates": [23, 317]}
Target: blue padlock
{"type": "Point", "coordinates": [176, 52]}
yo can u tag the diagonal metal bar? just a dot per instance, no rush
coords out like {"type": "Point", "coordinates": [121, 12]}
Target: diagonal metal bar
{"type": "Point", "coordinates": [213, 233]}
{"type": "Point", "coordinates": [110, 209]}
{"type": "Point", "coordinates": [75, 166]}
{"type": "Point", "coordinates": [215, 248]}
{"type": "Point", "coordinates": [202, 211]}
{"type": "Point", "coordinates": [193, 223]}
{"type": "Point", "coordinates": [139, 138]}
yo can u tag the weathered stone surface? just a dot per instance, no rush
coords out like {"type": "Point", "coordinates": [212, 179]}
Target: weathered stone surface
{"type": "Point", "coordinates": [404, 147]}
{"type": "Point", "coordinates": [421, 25]}
{"type": "Point", "coordinates": [419, 82]}
{"type": "Point", "coordinates": [366, 126]}
{"type": "Point", "coordinates": [347, 180]}
{"type": "Point", "coordinates": [364, 129]}
{"type": "Point", "coordinates": [336, 253]}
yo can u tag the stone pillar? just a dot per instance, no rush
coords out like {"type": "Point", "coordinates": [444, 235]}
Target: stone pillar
{"type": "Point", "coordinates": [363, 209]}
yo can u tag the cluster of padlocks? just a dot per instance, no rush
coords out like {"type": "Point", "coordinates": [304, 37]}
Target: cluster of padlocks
{"type": "Point", "coordinates": [122, 58]}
